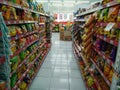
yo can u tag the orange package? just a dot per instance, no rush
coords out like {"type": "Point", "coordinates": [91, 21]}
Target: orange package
{"type": "Point", "coordinates": [113, 13]}
{"type": "Point", "coordinates": [91, 19]}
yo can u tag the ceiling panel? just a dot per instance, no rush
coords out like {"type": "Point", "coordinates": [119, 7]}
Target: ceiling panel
{"type": "Point", "coordinates": [65, 6]}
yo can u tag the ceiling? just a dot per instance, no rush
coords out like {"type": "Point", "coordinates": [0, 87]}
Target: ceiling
{"type": "Point", "coordinates": [65, 6]}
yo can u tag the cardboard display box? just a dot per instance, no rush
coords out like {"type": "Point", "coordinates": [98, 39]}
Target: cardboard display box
{"type": "Point", "coordinates": [65, 35]}
{"type": "Point", "coordinates": [61, 34]}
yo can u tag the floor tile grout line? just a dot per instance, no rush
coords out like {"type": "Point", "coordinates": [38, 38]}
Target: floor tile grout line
{"type": "Point", "coordinates": [52, 74]}
{"type": "Point", "coordinates": [68, 76]}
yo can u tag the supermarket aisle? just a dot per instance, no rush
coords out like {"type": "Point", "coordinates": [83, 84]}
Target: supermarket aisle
{"type": "Point", "coordinates": [59, 70]}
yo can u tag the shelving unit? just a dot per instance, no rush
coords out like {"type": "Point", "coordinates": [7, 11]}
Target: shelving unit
{"type": "Point", "coordinates": [110, 4]}
{"type": "Point", "coordinates": [97, 50]}
{"type": "Point", "coordinates": [29, 43]}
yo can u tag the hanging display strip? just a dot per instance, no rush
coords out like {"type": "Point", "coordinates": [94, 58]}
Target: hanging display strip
{"type": "Point", "coordinates": [110, 4]}
{"type": "Point", "coordinates": [20, 7]}
{"type": "Point", "coordinates": [113, 42]}
{"type": "Point", "coordinates": [105, 78]}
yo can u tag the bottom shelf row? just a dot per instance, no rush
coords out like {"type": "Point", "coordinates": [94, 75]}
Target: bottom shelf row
{"type": "Point", "coordinates": [23, 80]}
{"type": "Point", "coordinates": [92, 77]}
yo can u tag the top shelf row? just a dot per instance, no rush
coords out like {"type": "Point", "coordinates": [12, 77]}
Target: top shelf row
{"type": "Point", "coordinates": [20, 7]}
{"type": "Point", "coordinates": [111, 4]}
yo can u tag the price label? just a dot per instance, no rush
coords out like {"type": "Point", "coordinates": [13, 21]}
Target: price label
{"type": "Point", "coordinates": [105, 38]}
{"type": "Point", "coordinates": [20, 22]}
{"type": "Point", "coordinates": [111, 41]}
{"type": "Point", "coordinates": [109, 26]}
{"type": "Point", "coordinates": [16, 37]}
{"type": "Point", "coordinates": [15, 87]}
{"type": "Point", "coordinates": [103, 56]}
{"type": "Point", "coordinates": [4, 2]}
{"type": "Point", "coordinates": [15, 22]}
{"type": "Point", "coordinates": [18, 81]}
{"type": "Point", "coordinates": [8, 22]}
{"type": "Point", "coordinates": [23, 75]}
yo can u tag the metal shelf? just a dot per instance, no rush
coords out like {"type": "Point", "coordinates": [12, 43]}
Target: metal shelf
{"type": "Point", "coordinates": [104, 77]}
{"type": "Point", "coordinates": [106, 39]}
{"type": "Point", "coordinates": [20, 7]}
{"type": "Point", "coordinates": [25, 59]}
{"type": "Point", "coordinates": [38, 67]}
{"type": "Point", "coordinates": [12, 22]}
{"type": "Point", "coordinates": [111, 4]}
{"type": "Point", "coordinates": [22, 35]}
{"type": "Point", "coordinates": [20, 50]}
{"type": "Point", "coordinates": [25, 73]}
{"type": "Point", "coordinates": [109, 61]}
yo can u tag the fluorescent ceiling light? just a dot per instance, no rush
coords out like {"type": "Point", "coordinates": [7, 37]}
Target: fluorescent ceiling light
{"type": "Point", "coordinates": [62, 4]}
{"type": "Point", "coordinates": [47, 1]}
{"type": "Point", "coordinates": [82, 2]}
{"type": "Point", "coordinates": [95, 2]}
{"type": "Point", "coordinates": [41, 1]}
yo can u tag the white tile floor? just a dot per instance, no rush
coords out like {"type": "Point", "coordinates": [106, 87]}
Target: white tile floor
{"type": "Point", "coordinates": [59, 70]}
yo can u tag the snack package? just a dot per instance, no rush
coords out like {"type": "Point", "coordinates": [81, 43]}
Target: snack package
{"type": "Point", "coordinates": [13, 47]}
{"type": "Point", "coordinates": [22, 55]}
{"type": "Point", "coordinates": [104, 15]}
{"type": "Point", "coordinates": [113, 13]}
{"type": "Point", "coordinates": [107, 69]}
{"type": "Point", "coordinates": [13, 80]}
{"type": "Point", "coordinates": [13, 15]}
{"type": "Point", "coordinates": [117, 34]}
{"type": "Point", "coordinates": [90, 20]}
{"type": "Point", "coordinates": [24, 29]}
{"type": "Point", "coordinates": [18, 30]}
{"type": "Point", "coordinates": [29, 27]}
{"type": "Point", "coordinates": [90, 81]}
{"type": "Point", "coordinates": [24, 4]}
{"type": "Point", "coordinates": [15, 61]}
{"type": "Point", "coordinates": [12, 30]}
{"type": "Point", "coordinates": [23, 86]}
{"type": "Point", "coordinates": [118, 17]}
{"type": "Point", "coordinates": [6, 12]}
{"type": "Point", "coordinates": [110, 75]}
{"type": "Point", "coordinates": [22, 42]}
